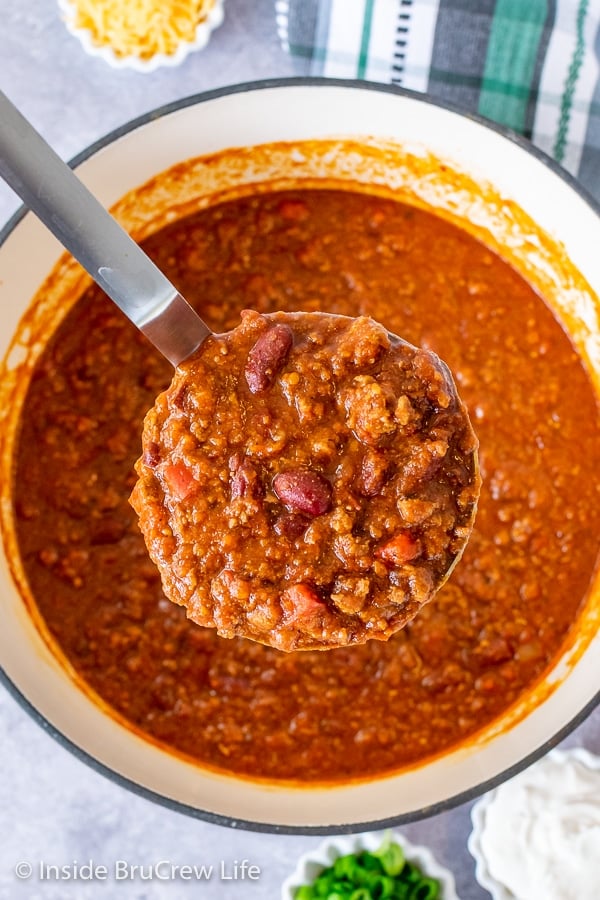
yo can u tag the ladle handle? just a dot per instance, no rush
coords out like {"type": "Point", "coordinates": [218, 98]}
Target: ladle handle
{"type": "Point", "coordinates": [51, 190]}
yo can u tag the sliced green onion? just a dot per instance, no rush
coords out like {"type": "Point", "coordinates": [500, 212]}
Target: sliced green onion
{"type": "Point", "coordinates": [347, 866]}
{"type": "Point", "coordinates": [382, 888]}
{"type": "Point", "coordinates": [305, 892]}
{"type": "Point", "coordinates": [411, 874]}
{"type": "Point", "coordinates": [426, 889]}
{"type": "Point", "coordinates": [384, 874]}
{"type": "Point", "coordinates": [369, 861]}
{"type": "Point", "coordinates": [402, 891]}
{"type": "Point", "coordinates": [391, 856]}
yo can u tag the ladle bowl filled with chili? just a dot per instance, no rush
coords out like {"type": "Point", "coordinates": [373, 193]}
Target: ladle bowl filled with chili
{"type": "Point", "coordinates": [308, 481]}
{"type": "Point", "coordinates": [303, 197]}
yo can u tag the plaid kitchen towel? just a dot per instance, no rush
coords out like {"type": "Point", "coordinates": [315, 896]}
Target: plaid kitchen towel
{"type": "Point", "coordinates": [532, 65]}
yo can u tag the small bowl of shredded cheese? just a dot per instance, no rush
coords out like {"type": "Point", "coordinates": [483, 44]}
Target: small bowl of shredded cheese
{"type": "Point", "coordinates": [142, 34]}
{"type": "Point", "coordinates": [538, 834]}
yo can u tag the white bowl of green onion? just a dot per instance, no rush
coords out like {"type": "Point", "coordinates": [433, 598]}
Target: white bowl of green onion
{"type": "Point", "coordinates": [368, 867]}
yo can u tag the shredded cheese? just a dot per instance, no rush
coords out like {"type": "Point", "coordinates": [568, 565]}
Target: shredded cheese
{"type": "Point", "coordinates": [141, 28]}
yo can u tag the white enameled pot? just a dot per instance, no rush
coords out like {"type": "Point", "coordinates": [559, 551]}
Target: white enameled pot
{"type": "Point", "coordinates": [376, 138]}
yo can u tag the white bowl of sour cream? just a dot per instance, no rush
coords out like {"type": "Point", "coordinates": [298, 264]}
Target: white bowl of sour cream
{"type": "Point", "coordinates": [538, 834]}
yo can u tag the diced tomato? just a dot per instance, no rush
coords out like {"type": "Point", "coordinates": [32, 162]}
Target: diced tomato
{"type": "Point", "coordinates": [300, 600]}
{"type": "Point", "coordinates": [179, 480]}
{"type": "Point", "coordinates": [400, 549]}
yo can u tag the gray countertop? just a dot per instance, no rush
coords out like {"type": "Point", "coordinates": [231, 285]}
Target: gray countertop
{"type": "Point", "coordinates": [53, 808]}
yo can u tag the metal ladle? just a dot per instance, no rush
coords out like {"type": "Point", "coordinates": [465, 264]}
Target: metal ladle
{"type": "Point", "coordinates": [54, 193]}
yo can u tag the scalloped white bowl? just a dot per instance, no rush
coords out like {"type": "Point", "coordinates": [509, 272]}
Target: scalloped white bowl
{"type": "Point", "coordinates": [311, 864]}
{"type": "Point", "coordinates": [202, 35]}
{"type": "Point", "coordinates": [295, 112]}
{"type": "Point", "coordinates": [479, 812]}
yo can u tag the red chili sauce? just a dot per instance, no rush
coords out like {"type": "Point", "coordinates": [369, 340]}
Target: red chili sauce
{"type": "Point", "coordinates": [492, 630]}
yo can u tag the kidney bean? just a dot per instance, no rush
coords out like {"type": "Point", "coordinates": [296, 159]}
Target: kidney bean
{"type": "Point", "coordinates": [267, 356]}
{"type": "Point", "coordinates": [151, 456]}
{"type": "Point", "coordinates": [180, 397]}
{"type": "Point", "coordinates": [374, 472]}
{"type": "Point", "coordinates": [245, 481]}
{"type": "Point", "coordinates": [291, 525]}
{"type": "Point", "coordinates": [303, 490]}
{"type": "Point", "coordinates": [492, 648]}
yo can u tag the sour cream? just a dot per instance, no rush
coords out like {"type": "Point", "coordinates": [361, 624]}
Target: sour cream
{"type": "Point", "coordinates": [541, 832]}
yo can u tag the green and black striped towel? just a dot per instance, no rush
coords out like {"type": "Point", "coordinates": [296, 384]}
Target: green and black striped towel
{"type": "Point", "coordinates": [532, 65]}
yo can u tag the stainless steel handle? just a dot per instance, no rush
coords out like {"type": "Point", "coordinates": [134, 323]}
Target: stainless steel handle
{"type": "Point", "coordinates": [52, 191]}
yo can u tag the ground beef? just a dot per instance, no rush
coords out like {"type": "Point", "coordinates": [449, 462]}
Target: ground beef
{"type": "Point", "coordinates": [307, 481]}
